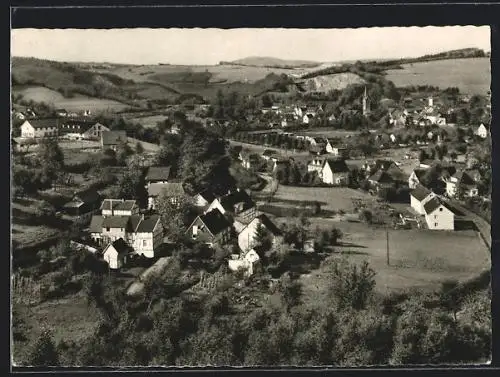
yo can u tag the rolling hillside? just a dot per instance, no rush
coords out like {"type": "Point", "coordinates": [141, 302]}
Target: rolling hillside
{"type": "Point", "coordinates": [327, 83]}
{"type": "Point", "coordinates": [265, 61]}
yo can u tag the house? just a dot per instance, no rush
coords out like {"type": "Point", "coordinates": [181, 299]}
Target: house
{"type": "Point", "coordinates": [95, 131]}
{"type": "Point", "coordinates": [77, 129]}
{"type": "Point", "coordinates": [393, 138]}
{"type": "Point", "coordinates": [247, 237]}
{"type": "Point", "coordinates": [268, 153]}
{"type": "Point", "coordinates": [418, 197]}
{"type": "Point", "coordinates": [236, 203]}
{"type": "Point", "coordinates": [280, 164]}
{"type": "Point", "coordinates": [464, 183]}
{"type": "Point", "coordinates": [83, 204]}
{"type": "Point", "coordinates": [249, 262]}
{"type": "Point", "coordinates": [415, 176]}
{"type": "Point", "coordinates": [157, 174]}
{"type": "Point", "coordinates": [250, 160]}
{"type": "Point", "coordinates": [115, 253]}
{"type": "Point", "coordinates": [398, 118]}
{"type": "Point", "coordinates": [119, 207]}
{"type": "Point", "coordinates": [143, 234]}
{"type": "Point", "coordinates": [112, 139]}
{"type": "Point", "coordinates": [211, 228]}
{"type": "Point", "coordinates": [439, 215]}
{"type": "Point", "coordinates": [61, 113]}
{"type": "Point", "coordinates": [390, 167]}
{"type": "Point", "coordinates": [204, 198]}
{"type": "Point", "coordinates": [317, 141]}
{"type": "Point", "coordinates": [315, 165]}
{"type": "Point", "coordinates": [39, 128]}
{"type": "Point", "coordinates": [317, 149]}
{"type": "Point", "coordinates": [173, 190]}
{"type": "Point", "coordinates": [335, 172]}
{"type": "Point", "coordinates": [381, 179]}
{"type": "Point", "coordinates": [306, 118]}
{"type": "Point", "coordinates": [482, 131]}
{"type": "Point", "coordinates": [338, 150]}
{"type": "Point", "coordinates": [174, 129]}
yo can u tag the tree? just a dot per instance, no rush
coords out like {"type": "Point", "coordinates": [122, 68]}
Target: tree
{"type": "Point", "coordinates": [335, 235]}
{"type": "Point", "coordinates": [262, 238]}
{"type": "Point", "coordinates": [43, 352]}
{"type": "Point", "coordinates": [175, 216]}
{"type": "Point", "coordinates": [290, 291]}
{"type": "Point", "coordinates": [139, 149]}
{"type": "Point", "coordinates": [131, 186]}
{"type": "Point", "coordinates": [352, 285]}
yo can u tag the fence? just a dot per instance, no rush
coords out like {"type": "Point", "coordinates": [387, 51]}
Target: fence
{"type": "Point", "coordinates": [209, 282]}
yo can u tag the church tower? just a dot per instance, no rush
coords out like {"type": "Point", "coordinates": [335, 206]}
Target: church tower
{"type": "Point", "coordinates": [366, 104]}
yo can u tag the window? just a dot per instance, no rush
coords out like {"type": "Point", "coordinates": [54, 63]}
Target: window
{"type": "Point", "coordinates": [195, 230]}
{"type": "Point", "coordinates": [144, 243]}
{"type": "Point", "coordinates": [107, 229]}
{"type": "Point", "coordinates": [435, 224]}
{"type": "Point", "coordinates": [435, 216]}
{"type": "Point", "coordinates": [441, 209]}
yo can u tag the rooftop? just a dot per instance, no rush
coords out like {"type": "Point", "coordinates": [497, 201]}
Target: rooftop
{"type": "Point", "coordinates": [113, 137]}
{"type": "Point", "coordinates": [215, 221]}
{"type": "Point", "coordinates": [420, 193]}
{"type": "Point", "coordinates": [158, 173]}
{"type": "Point", "coordinates": [169, 189]}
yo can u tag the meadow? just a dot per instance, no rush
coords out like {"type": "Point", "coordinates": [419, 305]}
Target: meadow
{"type": "Point", "coordinates": [472, 76]}
{"type": "Point", "coordinates": [76, 103]}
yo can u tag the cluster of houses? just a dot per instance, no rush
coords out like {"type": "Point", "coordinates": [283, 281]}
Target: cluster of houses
{"type": "Point", "coordinates": [299, 113]}
{"type": "Point", "coordinates": [122, 230]}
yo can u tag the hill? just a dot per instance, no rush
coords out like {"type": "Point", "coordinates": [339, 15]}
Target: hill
{"type": "Point", "coordinates": [266, 61]}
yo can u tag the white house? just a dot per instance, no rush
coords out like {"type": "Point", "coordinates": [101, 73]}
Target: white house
{"type": "Point", "coordinates": [415, 177]}
{"type": "Point", "coordinates": [236, 203]}
{"type": "Point", "coordinates": [115, 254]}
{"type": "Point", "coordinates": [38, 128]}
{"type": "Point", "coordinates": [482, 131]}
{"type": "Point", "coordinates": [173, 190]}
{"type": "Point", "coordinates": [119, 207]}
{"type": "Point", "coordinates": [334, 172]}
{"type": "Point", "coordinates": [336, 149]}
{"type": "Point", "coordinates": [247, 237]}
{"type": "Point", "coordinates": [204, 198]}
{"type": "Point", "coordinates": [438, 215]}
{"type": "Point", "coordinates": [418, 197]}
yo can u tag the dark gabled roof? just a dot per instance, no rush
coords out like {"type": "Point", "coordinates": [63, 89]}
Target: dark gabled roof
{"type": "Point", "coordinates": [115, 222]}
{"type": "Point", "coordinates": [319, 139]}
{"type": "Point", "coordinates": [96, 224]}
{"type": "Point", "coordinates": [88, 196]}
{"type": "Point", "coordinates": [208, 195]}
{"type": "Point", "coordinates": [113, 137]}
{"type": "Point", "coordinates": [133, 222]}
{"type": "Point", "coordinates": [170, 189]}
{"type": "Point", "coordinates": [158, 173]}
{"type": "Point", "coordinates": [239, 196]}
{"type": "Point", "coordinates": [419, 172]}
{"type": "Point", "coordinates": [79, 124]}
{"type": "Point", "coordinates": [381, 176]}
{"type": "Point", "coordinates": [384, 164]}
{"type": "Point", "coordinates": [420, 193]}
{"type": "Point", "coordinates": [269, 152]}
{"type": "Point", "coordinates": [215, 221]}
{"type": "Point", "coordinates": [337, 165]}
{"type": "Point", "coordinates": [118, 204]}
{"type": "Point", "coordinates": [270, 226]}
{"type": "Point", "coordinates": [320, 147]}
{"type": "Point", "coordinates": [43, 123]}
{"type": "Point", "coordinates": [434, 203]}
{"type": "Point", "coordinates": [148, 224]}
{"type": "Point", "coordinates": [120, 246]}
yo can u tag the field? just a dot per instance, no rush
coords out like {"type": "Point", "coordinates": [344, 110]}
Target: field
{"type": "Point", "coordinates": [328, 132]}
{"type": "Point", "coordinates": [70, 319]}
{"type": "Point", "coordinates": [418, 258]}
{"type": "Point", "coordinates": [326, 83]}
{"type": "Point", "coordinates": [471, 76]}
{"type": "Point", "coordinates": [149, 121]}
{"type": "Point", "coordinates": [77, 103]}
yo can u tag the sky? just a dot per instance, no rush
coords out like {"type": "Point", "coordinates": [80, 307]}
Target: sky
{"type": "Point", "coordinates": [210, 46]}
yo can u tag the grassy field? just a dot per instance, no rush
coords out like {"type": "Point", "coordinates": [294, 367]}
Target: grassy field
{"type": "Point", "coordinates": [149, 121]}
{"type": "Point", "coordinates": [69, 319]}
{"type": "Point", "coordinates": [471, 76]}
{"type": "Point", "coordinates": [418, 258]}
{"type": "Point", "coordinates": [328, 132]}
{"type": "Point", "coordinates": [77, 103]}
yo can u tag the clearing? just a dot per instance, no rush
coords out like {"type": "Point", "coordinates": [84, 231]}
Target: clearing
{"type": "Point", "coordinates": [472, 76]}
{"type": "Point", "coordinates": [76, 103]}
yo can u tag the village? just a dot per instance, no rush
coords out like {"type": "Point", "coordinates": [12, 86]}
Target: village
{"type": "Point", "coordinates": [237, 220]}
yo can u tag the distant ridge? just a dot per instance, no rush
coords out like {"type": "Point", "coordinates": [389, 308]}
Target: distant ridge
{"type": "Point", "coordinates": [266, 61]}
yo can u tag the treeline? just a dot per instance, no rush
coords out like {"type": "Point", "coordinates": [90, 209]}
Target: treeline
{"type": "Point", "coordinates": [353, 326]}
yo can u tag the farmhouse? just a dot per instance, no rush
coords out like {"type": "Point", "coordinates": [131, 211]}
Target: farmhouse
{"type": "Point", "coordinates": [83, 203]}
{"type": "Point", "coordinates": [418, 197]}
{"type": "Point", "coordinates": [39, 128]}
{"type": "Point", "coordinates": [268, 153]}
{"type": "Point", "coordinates": [112, 139]}
{"type": "Point", "coordinates": [78, 129]}
{"type": "Point", "coordinates": [337, 150]}
{"type": "Point", "coordinates": [115, 253]}
{"type": "Point", "coordinates": [438, 215]}
{"type": "Point", "coordinates": [463, 184]}
{"type": "Point", "coordinates": [236, 203]}
{"type": "Point", "coordinates": [415, 177]}
{"type": "Point", "coordinates": [204, 198]}
{"type": "Point", "coordinates": [173, 190]}
{"type": "Point", "coordinates": [482, 131]}
{"type": "Point", "coordinates": [317, 149]}
{"type": "Point", "coordinates": [247, 237]}
{"type": "Point", "coordinates": [335, 172]}
{"type": "Point", "coordinates": [61, 113]}
{"type": "Point", "coordinates": [315, 165]}
{"type": "Point", "coordinates": [143, 234]}
{"type": "Point", "coordinates": [157, 174]}
{"type": "Point", "coordinates": [211, 228]}
{"type": "Point", "coordinates": [119, 207]}
{"type": "Point", "coordinates": [250, 160]}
